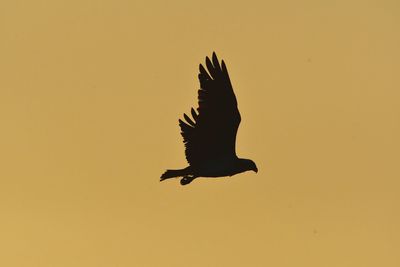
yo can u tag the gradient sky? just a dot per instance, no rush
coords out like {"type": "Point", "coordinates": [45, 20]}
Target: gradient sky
{"type": "Point", "coordinates": [90, 96]}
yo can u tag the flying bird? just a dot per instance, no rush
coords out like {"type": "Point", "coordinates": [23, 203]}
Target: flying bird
{"type": "Point", "coordinates": [210, 136]}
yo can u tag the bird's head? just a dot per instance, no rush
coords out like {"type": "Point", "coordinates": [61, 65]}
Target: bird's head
{"type": "Point", "coordinates": [248, 165]}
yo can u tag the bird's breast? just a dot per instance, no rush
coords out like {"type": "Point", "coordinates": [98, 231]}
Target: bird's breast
{"type": "Point", "coordinates": [223, 166]}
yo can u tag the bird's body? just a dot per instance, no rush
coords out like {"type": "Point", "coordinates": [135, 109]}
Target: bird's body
{"type": "Point", "coordinates": [211, 136]}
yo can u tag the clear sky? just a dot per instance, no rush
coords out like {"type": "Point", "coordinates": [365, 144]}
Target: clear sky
{"type": "Point", "coordinates": [90, 96]}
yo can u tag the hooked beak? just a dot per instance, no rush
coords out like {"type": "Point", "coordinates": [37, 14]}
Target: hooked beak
{"type": "Point", "coordinates": [256, 170]}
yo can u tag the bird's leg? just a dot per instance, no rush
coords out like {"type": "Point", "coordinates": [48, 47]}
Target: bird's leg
{"type": "Point", "coordinates": [187, 179]}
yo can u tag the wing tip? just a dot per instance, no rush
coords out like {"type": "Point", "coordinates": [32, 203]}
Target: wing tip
{"type": "Point", "coordinates": [201, 68]}
{"type": "Point", "coordinates": [223, 66]}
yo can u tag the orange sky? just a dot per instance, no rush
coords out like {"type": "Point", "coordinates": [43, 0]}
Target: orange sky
{"type": "Point", "coordinates": [90, 96]}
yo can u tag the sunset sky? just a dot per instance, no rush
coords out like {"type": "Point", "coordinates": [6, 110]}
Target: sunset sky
{"type": "Point", "coordinates": [90, 97]}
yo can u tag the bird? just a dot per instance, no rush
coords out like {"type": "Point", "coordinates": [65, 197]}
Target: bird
{"type": "Point", "coordinates": [210, 136]}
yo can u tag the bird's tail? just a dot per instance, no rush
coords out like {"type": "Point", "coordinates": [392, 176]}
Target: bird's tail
{"type": "Point", "coordinates": [174, 173]}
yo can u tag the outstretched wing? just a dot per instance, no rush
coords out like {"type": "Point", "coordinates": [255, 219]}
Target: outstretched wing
{"type": "Point", "coordinates": [212, 132]}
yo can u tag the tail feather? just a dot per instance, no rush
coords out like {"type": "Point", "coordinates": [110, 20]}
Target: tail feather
{"type": "Point", "coordinates": [174, 173]}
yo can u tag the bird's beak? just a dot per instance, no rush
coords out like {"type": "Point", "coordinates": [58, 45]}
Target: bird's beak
{"type": "Point", "coordinates": [256, 170]}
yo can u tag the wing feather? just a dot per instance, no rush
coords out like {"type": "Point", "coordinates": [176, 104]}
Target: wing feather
{"type": "Point", "coordinates": [204, 73]}
{"type": "Point", "coordinates": [194, 115]}
{"type": "Point", "coordinates": [210, 68]}
{"type": "Point", "coordinates": [215, 62]}
{"type": "Point", "coordinates": [188, 120]}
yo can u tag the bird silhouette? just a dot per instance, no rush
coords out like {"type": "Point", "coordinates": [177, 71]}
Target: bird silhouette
{"type": "Point", "coordinates": [210, 136]}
